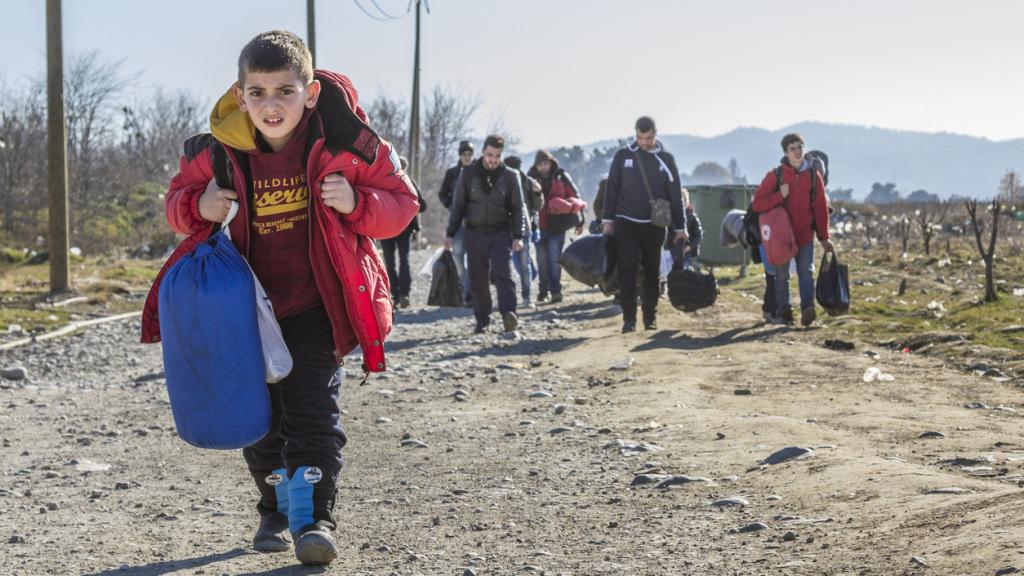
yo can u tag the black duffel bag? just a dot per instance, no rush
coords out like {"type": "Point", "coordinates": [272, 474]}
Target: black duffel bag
{"type": "Point", "coordinates": [445, 284]}
{"type": "Point", "coordinates": [589, 260]}
{"type": "Point", "coordinates": [833, 287]}
{"type": "Point", "coordinates": [690, 290]}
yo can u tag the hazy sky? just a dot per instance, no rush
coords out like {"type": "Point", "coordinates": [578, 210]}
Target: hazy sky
{"type": "Point", "coordinates": [575, 71]}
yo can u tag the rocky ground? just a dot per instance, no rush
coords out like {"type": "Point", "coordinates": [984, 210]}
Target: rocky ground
{"type": "Point", "coordinates": [715, 445]}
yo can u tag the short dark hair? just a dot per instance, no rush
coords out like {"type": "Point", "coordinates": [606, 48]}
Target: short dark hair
{"type": "Point", "coordinates": [514, 162]}
{"type": "Point", "coordinates": [790, 139]}
{"type": "Point", "coordinates": [275, 51]}
{"type": "Point", "coordinates": [645, 124]}
{"type": "Point", "coordinates": [494, 141]}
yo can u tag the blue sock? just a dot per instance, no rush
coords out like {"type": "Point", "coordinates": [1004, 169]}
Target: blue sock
{"type": "Point", "coordinates": [300, 497]}
{"type": "Point", "coordinates": [281, 491]}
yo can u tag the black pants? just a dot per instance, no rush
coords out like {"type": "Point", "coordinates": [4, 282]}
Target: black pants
{"type": "Point", "coordinates": [306, 425]}
{"type": "Point", "coordinates": [399, 276]}
{"type": "Point", "coordinates": [490, 257]}
{"type": "Point", "coordinates": [637, 244]}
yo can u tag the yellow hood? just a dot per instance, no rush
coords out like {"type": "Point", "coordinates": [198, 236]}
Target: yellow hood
{"type": "Point", "coordinates": [230, 125]}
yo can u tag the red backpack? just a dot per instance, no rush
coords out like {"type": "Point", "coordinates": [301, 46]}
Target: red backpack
{"type": "Point", "coordinates": [777, 231]}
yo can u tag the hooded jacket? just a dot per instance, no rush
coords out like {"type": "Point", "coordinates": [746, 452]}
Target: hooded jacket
{"type": "Point", "coordinates": [557, 184]}
{"type": "Point", "coordinates": [807, 217]}
{"type": "Point", "coordinates": [349, 274]}
{"type": "Point", "coordinates": [625, 194]}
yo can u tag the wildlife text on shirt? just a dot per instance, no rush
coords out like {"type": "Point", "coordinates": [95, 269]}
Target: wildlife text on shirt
{"type": "Point", "coordinates": [280, 203]}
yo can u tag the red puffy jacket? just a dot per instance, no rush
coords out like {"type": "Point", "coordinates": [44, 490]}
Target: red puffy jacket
{"type": "Point", "coordinates": [805, 216]}
{"type": "Point", "coordinates": [349, 274]}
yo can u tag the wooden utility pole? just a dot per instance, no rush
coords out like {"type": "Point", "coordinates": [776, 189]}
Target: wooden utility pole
{"type": "Point", "coordinates": [414, 109]}
{"type": "Point", "coordinates": [57, 150]}
{"type": "Point", "coordinates": [311, 28]}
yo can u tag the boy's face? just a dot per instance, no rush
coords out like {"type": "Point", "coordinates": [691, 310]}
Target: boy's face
{"type": "Point", "coordinates": [795, 154]}
{"type": "Point", "coordinates": [275, 102]}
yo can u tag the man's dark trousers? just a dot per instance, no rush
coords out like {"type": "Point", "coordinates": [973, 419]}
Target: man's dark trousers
{"type": "Point", "coordinates": [638, 243]}
{"type": "Point", "coordinates": [399, 275]}
{"type": "Point", "coordinates": [490, 256]}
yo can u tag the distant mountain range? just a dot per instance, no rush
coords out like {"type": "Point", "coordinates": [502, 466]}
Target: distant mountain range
{"type": "Point", "coordinates": [941, 163]}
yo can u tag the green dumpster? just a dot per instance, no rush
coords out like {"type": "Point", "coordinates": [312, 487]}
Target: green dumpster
{"type": "Point", "coordinates": [712, 203]}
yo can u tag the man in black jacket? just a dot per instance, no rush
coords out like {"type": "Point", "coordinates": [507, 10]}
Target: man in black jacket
{"type": "Point", "coordinates": [451, 176]}
{"type": "Point", "coordinates": [488, 203]}
{"type": "Point", "coordinates": [627, 216]}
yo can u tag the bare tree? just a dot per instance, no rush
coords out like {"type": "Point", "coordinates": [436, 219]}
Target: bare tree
{"type": "Point", "coordinates": [92, 84]}
{"type": "Point", "coordinates": [930, 218]}
{"type": "Point", "coordinates": [390, 119]}
{"type": "Point", "coordinates": [902, 227]}
{"type": "Point", "coordinates": [22, 154]}
{"type": "Point", "coordinates": [986, 255]}
{"type": "Point", "coordinates": [1010, 189]}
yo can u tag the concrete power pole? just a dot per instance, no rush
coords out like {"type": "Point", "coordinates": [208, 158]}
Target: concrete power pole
{"type": "Point", "coordinates": [414, 110]}
{"type": "Point", "coordinates": [57, 150]}
{"type": "Point", "coordinates": [311, 28]}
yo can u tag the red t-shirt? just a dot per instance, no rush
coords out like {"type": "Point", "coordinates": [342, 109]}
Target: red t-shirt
{"type": "Point", "coordinates": [279, 235]}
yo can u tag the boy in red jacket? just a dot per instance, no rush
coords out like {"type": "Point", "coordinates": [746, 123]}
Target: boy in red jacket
{"type": "Point", "coordinates": [314, 183]}
{"type": "Point", "coordinates": [802, 192]}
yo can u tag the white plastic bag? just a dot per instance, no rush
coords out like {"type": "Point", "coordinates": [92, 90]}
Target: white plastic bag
{"type": "Point", "coordinates": [277, 360]}
{"type": "Point", "coordinates": [428, 267]}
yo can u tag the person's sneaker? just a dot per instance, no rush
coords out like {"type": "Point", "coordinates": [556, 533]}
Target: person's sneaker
{"type": "Point", "coordinates": [768, 316]}
{"type": "Point", "coordinates": [628, 327]}
{"type": "Point", "coordinates": [807, 316]}
{"type": "Point", "coordinates": [314, 546]}
{"type": "Point", "coordinates": [510, 321]}
{"type": "Point", "coordinates": [556, 297]}
{"type": "Point", "coordinates": [481, 327]}
{"type": "Point", "coordinates": [527, 303]}
{"type": "Point", "coordinates": [403, 302]}
{"type": "Point", "coordinates": [650, 324]}
{"type": "Point", "coordinates": [542, 297]}
{"type": "Point", "coordinates": [272, 534]}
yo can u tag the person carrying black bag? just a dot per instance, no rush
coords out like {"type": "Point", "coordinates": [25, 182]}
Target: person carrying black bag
{"type": "Point", "coordinates": [643, 198]}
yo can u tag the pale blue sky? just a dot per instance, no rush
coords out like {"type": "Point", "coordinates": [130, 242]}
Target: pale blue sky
{"type": "Point", "coordinates": [575, 71]}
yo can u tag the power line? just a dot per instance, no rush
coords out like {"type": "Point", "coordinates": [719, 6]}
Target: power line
{"type": "Point", "coordinates": [367, 12]}
{"type": "Point", "coordinates": [383, 11]}
{"type": "Point", "coordinates": [385, 15]}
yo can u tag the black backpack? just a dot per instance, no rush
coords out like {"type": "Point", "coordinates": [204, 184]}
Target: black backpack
{"type": "Point", "coordinates": [690, 290]}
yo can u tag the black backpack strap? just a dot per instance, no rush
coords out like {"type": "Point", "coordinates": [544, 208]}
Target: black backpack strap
{"type": "Point", "coordinates": [221, 165]}
{"type": "Point", "coordinates": [814, 179]}
{"type": "Point", "coordinates": [778, 178]}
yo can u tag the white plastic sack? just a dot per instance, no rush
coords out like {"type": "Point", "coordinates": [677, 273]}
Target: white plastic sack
{"type": "Point", "coordinates": [428, 268]}
{"type": "Point", "coordinates": [277, 360]}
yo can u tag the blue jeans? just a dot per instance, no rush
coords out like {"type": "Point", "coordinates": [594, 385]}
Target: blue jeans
{"type": "Point", "coordinates": [548, 251]}
{"type": "Point", "coordinates": [459, 252]}
{"type": "Point", "coordinates": [805, 277]}
{"type": "Point", "coordinates": [524, 268]}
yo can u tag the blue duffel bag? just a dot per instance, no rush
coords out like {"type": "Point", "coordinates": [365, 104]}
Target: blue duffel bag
{"type": "Point", "coordinates": [213, 359]}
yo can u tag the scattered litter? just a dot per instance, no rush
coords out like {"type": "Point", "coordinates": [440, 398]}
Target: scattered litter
{"type": "Point", "coordinates": [874, 373]}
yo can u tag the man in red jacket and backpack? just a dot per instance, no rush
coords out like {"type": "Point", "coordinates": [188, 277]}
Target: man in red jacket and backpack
{"type": "Point", "coordinates": [797, 185]}
{"type": "Point", "coordinates": [314, 183]}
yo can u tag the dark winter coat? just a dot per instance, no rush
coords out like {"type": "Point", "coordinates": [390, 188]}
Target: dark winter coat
{"type": "Point", "coordinates": [626, 196]}
{"type": "Point", "coordinates": [488, 202]}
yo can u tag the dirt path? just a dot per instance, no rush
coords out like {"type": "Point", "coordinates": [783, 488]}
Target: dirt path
{"type": "Point", "coordinates": [529, 469]}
